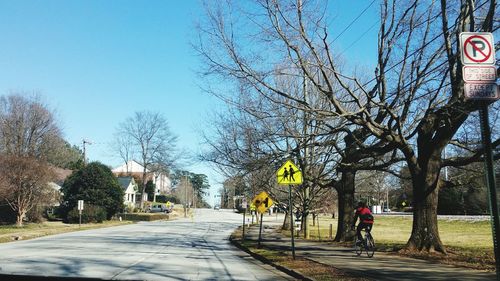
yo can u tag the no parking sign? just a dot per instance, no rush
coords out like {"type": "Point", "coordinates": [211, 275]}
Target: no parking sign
{"type": "Point", "coordinates": [479, 71]}
{"type": "Point", "coordinates": [477, 48]}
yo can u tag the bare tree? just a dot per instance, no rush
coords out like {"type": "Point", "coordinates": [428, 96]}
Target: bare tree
{"type": "Point", "coordinates": [27, 133]}
{"type": "Point", "coordinates": [185, 193]}
{"type": "Point", "coordinates": [124, 147]}
{"type": "Point", "coordinates": [27, 127]}
{"type": "Point", "coordinates": [24, 183]}
{"type": "Point", "coordinates": [304, 121]}
{"type": "Point", "coordinates": [414, 103]}
{"type": "Point", "coordinates": [151, 138]}
{"type": "Point", "coordinates": [251, 140]}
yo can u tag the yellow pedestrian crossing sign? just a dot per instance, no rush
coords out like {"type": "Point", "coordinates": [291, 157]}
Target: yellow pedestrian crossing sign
{"type": "Point", "coordinates": [262, 202]}
{"type": "Point", "coordinates": [289, 174]}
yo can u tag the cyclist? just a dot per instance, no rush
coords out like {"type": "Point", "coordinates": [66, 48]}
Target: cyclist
{"type": "Point", "coordinates": [365, 219]}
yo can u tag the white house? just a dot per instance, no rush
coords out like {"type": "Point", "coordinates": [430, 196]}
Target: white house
{"type": "Point", "coordinates": [131, 190]}
{"type": "Point", "coordinates": [131, 167]}
{"type": "Point", "coordinates": [161, 180]}
{"type": "Point", "coordinates": [163, 183]}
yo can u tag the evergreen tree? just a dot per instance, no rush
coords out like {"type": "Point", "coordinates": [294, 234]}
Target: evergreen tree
{"type": "Point", "coordinates": [96, 185]}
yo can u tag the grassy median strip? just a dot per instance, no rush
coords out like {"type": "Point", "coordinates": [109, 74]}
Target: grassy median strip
{"type": "Point", "coordinates": [9, 233]}
{"type": "Point", "coordinates": [308, 269]}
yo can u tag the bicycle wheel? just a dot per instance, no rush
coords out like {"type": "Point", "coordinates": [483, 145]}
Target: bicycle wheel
{"type": "Point", "coordinates": [358, 247]}
{"type": "Point", "coordinates": [370, 245]}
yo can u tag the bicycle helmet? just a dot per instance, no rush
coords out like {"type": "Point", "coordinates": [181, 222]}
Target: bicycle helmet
{"type": "Point", "coordinates": [361, 204]}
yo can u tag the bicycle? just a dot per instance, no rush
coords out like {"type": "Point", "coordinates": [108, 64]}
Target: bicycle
{"type": "Point", "coordinates": [368, 244]}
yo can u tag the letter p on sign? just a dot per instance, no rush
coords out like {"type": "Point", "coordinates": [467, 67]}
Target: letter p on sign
{"type": "Point", "coordinates": [477, 48]}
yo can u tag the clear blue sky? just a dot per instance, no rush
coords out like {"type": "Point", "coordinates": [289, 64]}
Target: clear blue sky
{"type": "Point", "coordinates": [97, 62]}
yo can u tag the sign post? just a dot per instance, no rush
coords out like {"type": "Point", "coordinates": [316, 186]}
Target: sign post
{"type": "Point", "coordinates": [290, 210]}
{"type": "Point", "coordinates": [260, 229]}
{"type": "Point", "coordinates": [490, 181]}
{"type": "Point", "coordinates": [479, 74]}
{"type": "Point", "coordinates": [80, 209]}
{"type": "Point", "coordinates": [289, 174]}
{"type": "Point", "coordinates": [244, 205]}
{"type": "Point", "coordinates": [262, 202]}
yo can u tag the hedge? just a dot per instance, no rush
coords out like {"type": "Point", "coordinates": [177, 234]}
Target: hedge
{"type": "Point", "coordinates": [143, 217]}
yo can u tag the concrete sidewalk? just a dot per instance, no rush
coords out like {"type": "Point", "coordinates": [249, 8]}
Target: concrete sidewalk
{"type": "Point", "coordinates": [382, 266]}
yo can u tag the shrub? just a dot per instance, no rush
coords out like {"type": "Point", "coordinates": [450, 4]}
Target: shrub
{"type": "Point", "coordinates": [96, 185]}
{"type": "Point", "coordinates": [36, 214]}
{"type": "Point", "coordinates": [129, 209]}
{"type": "Point", "coordinates": [144, 217]}
{"type": "Point", "coordinates": [90, 213]}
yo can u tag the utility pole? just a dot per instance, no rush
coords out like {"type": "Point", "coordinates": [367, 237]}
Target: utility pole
{"type": "Point", "coordinates": [307, 205]}
{"type": "Point", "coordinates": [195, 198]}
{"type": "Point", "coordinates": [185, 196]}
{"type": "Point", "coordinates": [84, 151]}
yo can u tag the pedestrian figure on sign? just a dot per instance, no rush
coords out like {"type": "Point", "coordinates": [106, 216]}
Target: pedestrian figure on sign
{"type": "Point", "coordinates": [285, 174]}
{"type": "Point", "coordinates": [291, 173]}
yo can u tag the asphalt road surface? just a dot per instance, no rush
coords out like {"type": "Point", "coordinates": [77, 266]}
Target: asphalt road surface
{"type": "Point", "coordinates": [186, 249]}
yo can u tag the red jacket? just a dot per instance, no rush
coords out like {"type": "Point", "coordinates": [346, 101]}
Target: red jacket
{"type": "Point", "coordinates": [364, 214]}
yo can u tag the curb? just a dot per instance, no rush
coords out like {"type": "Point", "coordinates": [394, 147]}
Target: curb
{"type": "Point", "coordinates": [286, 270]}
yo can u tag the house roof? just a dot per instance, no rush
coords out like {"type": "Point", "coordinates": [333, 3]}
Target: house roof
{"type": "Point", "coordinates": [125, 182]}
{"type": "Point", "coordinates": [131, 167]}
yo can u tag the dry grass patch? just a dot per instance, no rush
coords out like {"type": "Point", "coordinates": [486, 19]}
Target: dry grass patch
{"type": "Point", "coordinates": [458, 257]}
{"type": "Point", "coordinates": [10, 233]}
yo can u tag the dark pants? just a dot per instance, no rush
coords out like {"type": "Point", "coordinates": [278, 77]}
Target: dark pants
{"type": "Point", "coordinates": [360, 227]}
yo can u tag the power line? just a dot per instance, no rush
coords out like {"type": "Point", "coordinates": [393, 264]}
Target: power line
{"type": "Point", "coordinates": [359, 37]}
{"type": "Point", "coordinates": [421, 48]}
{"type": "Point", "coordinates": [353, 21]}
{"type": "Point", "coordinates": [426, 73]}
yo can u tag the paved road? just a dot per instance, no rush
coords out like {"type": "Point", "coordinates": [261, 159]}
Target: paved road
{"type": "Point", "coordinates": [184, 249]}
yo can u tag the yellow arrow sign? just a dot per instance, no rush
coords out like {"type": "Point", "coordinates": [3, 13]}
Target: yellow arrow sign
{"type": "Point", "coordinates": [262, 202]}
{"type": "Point", "coordinates": [289, 174]}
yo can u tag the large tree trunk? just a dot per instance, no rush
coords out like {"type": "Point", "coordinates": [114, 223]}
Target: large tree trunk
{"type": "Point", "coordinates": [425, 234]}
{"type": "Point", "coordinates": [143, 186]}
{"type": "Point", "coordinates": [345, 192]}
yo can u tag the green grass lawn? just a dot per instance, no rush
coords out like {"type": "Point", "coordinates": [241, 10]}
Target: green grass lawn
{"type": "Point", "coordinates": [469, 243]}
{"type": "Point", "coordinates": [474, 235]}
